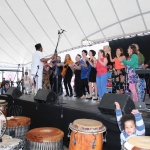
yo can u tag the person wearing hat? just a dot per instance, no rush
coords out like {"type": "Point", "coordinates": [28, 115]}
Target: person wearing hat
{"type": "Point", "coordinates": [37, 65]}
{"type": "Point", "coordinates": [77, 72]}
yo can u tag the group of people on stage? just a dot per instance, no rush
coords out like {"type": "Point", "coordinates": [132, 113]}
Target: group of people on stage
{"type": "Point", "coordinates": [90, 72]}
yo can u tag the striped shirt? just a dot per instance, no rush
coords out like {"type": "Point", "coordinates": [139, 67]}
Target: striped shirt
{"type": "Point", "coordinates": [140, 127]}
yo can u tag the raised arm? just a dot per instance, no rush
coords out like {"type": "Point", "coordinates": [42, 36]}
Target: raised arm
{"type": "Point", "coordinates": [118, 114]}
{"type": "Point", "coordinates": [112, 60]}
{"type": "Point", "coordinates": [132, 60]}
{"type": "Point", "coordinates": [140, 127]}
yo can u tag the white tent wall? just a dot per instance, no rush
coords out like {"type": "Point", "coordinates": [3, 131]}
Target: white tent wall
{"type": "Point", "coordinates": [23, 23]}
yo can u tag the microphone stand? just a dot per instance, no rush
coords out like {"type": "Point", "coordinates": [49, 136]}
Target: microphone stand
{"type": "Point", "coordinates": [56, 69]}
{"type": "Point", "coordinates": [56, 73]}
{"type": "Point", "coordinates": [36, 80]}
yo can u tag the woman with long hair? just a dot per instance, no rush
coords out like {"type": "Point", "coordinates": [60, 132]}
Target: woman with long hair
{"type": "Point", "coordinates": [107, 50]}
{"type": "Point", "coordinates": [67, 73]}
{"type": "Point", "coordinates": [131, 65]}
{"type": "Point", "coordinates": [92, 74]}
{"type": "Point", "coordinates": [119, 71]}
{"type": "Point", "coordinates": [101, 76]}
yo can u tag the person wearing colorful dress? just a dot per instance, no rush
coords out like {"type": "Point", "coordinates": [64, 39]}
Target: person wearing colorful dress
{"type": "Point", "coordinates": [131, 66]}
{"type": "Point", "coordinates": [101, 76]}
{"type": "Point", "coordinates": [141, 84]}
{"type": "Point", "coordinates": [119, 71]}
{"type": "Point", "coordinates": [129, 124]}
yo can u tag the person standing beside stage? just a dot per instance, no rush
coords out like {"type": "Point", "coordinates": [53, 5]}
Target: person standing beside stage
{"type": "Point", "coordinates": [27, 83]}
{"type": "Point", "coordinates": [92, 74]}
{"type": "Point", "coordinates": [141, 84]}
{"type": "Point", "coordinates": [5, 88]}
{"type": "Point", "coordinates": [131, 65]}
{"type": "Point", "coordinates": [77, 72]}
{"type": "Point", "coordinates": [101, 77]}
{"type": "Point", "coordinates": [67, 73]}
{"type": "Point", "coordinates": [119, 71]}
{"type": "Point", "coordinates": [37, 66]}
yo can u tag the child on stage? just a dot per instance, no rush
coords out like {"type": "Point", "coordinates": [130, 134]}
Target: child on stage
{"type": "Point", "coordinates": [129, 124]}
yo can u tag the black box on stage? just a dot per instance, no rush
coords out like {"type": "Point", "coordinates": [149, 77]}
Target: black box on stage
{"type": "Point", "coordinates": [14, 92]}
{"type": "Point", "coordinates": [107, 105]}
{"type": "Point", "coordinates": [45, 96]}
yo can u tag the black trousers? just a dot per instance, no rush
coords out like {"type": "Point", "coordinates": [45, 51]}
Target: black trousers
{"type": "Point", "coordinates": [67, 84]}
{"type": "Point", "coordinates": [59, 83]}
{"type": "Point", "coordinates": [78, 88]}
{"type": "Point", "coordinates": [84, 84]}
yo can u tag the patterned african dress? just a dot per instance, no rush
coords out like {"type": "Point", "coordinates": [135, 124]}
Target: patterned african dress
{"type": "Point", "coordinates": [46, 81]}
{"type": "Point", "coordinates": [140, 86]}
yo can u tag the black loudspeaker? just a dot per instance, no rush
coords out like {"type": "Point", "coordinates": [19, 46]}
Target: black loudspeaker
{"type": "Point", "coordinates": [14, 92]}
{"type": "Point", "coordinates": [45, 96]}
{"type": "Point", "coordinates": [107, 105]}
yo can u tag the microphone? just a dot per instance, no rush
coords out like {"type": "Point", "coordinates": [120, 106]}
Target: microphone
{"type": "Point", "coordinates": [38, 66]}
{"type": "Point", "coordinates": [63, 30]}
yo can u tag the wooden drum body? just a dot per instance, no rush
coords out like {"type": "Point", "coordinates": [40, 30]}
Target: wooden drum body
{"type": "Point", "coordinates": [138, 143]}
{"type": "Point", "coordinates": [18, 126]}
{"type": "Point", "coordinates": [3, 107]}
{"type": "Point", "coordinates": [46, 138]}
{"type": "Point", "coordinates": [87, 134]}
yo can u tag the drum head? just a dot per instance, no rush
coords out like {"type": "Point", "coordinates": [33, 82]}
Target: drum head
{"type": "Point", "coordinates": [140, 141]}
{"type": "Point", "coordinates": [45, 134]}
{"type": "Point", "coordinates": [3, 123]}
{"type": "Point", "coordinates": [87, 126]}
{"type": "Point", "coordinates": [18, 121]}
{"type": "Point", "coordinates": [3, 102]}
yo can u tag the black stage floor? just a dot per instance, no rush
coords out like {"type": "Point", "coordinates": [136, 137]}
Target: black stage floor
{"type": "Point", "coordinates": [73, 108]}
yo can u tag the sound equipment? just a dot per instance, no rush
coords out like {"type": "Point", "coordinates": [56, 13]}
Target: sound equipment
{"type": "Point", "coordinates": [107, 105]}
{"type": "Point", "coordinates": [13, 92]}
{"type": "Point", "coordinates": [141, 106]}
{"type": "Point", "coordinates": [142, 71]}
{"type": "Point", "coordinates": [45, 96]}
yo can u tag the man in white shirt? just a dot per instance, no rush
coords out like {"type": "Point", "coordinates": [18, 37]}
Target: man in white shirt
{"type": "Point", "coordinates": [37, 66]}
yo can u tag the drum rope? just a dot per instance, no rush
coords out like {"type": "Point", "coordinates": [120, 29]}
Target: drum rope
{"type": "Point", "coordinates": [75, 138]}
{"type": "Point", "coordinates": [94, 142]}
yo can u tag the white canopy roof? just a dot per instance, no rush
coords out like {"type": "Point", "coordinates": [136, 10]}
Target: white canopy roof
{"type": "Point", "coordinates": [23, 23]}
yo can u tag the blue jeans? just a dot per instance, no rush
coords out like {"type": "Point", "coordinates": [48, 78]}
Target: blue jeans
{"type": "Point", "coordinates": [101, 82]}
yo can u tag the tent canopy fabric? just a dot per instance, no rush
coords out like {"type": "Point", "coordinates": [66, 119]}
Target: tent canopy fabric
{"type": "Point", "coordinates": [23, 23]}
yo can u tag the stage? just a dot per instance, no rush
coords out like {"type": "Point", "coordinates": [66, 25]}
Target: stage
{"type": "Point", "coordinates": [60, 116]}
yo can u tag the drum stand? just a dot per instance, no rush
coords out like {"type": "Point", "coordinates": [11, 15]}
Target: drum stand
{"type": "Point", "coordinates": [36, 80]}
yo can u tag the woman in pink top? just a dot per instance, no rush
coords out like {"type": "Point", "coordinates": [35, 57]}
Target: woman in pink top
{"type": "Point", "coordinates": [101, 77]}
{"type": "Point", "coordinates": [119, 71]}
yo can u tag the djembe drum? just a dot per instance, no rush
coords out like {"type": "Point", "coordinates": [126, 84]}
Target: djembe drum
{"type": "Point", "coordinates": [18, 126]}
{"type": "Point", "coordinates": [137, 143]}
{"type": "Point", "coordinates": [87, 134]}
{"type": "Point", "coordinates": [9, 143]}
{"type": "Point", "coordinates": [3, 107]}
{"type": "Point", "coordinates": [46, 138]}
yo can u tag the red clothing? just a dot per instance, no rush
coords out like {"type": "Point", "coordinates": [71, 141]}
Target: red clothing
{"type": "Point", "coordinates": [100, 68]}
{"type": "Point", "coordinates": [118, 64]}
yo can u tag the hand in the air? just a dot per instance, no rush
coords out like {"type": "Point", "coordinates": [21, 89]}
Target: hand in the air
{"type": "Point", "coordinates": [134, 111]}
{"type": "Point", "coordinates": [117, 105]}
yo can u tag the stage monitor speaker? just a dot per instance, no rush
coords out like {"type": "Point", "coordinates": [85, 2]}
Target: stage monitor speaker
{"type": "Point", "coordinates": [14, 92]}
{"type": "Point", "coordinates": [107, 105]}
{"type": "Point", "coordinates": [45, 96]}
